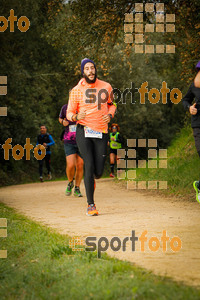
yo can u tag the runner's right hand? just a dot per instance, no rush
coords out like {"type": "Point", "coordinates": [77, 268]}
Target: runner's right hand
{"type": "Point", "coordinates": [81, 115]}
{"type": "Point", "coordinates": [65, 122]}
{"type": "Point", "coordinates": [193, 110]}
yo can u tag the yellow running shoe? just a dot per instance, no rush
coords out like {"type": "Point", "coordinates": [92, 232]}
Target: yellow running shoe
{"type": "Point", "coordinates": [91, 210]}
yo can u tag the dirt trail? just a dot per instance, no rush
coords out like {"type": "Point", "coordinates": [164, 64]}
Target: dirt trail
{"type": "Point", "coordinates": [121, 211]}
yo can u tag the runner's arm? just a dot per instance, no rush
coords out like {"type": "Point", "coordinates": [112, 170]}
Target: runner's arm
{"type": "Point", "coordinates": [62, 117]}
{"type": "Point", "coordinates": [51, 141]}
{"type": "Point", "coordinates": [72, 105]}
{"type": "Point", "coordinates": [63, 121]}
{"type": "Point", "coordinates": [111, 104]}
{"type": "Point", "coordinates": [60, 120]}
{"type": "Point", "coordinates": [188, 99]}
{"type": "Point", "coordinates": [119, 138]}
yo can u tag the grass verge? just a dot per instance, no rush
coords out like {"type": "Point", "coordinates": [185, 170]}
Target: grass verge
{"type": "Point", "coordinates": [183, 167]}
{"type": "Point", "coordinates": [40, 265]}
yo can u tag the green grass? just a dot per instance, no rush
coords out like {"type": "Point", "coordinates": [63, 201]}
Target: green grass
{"type": "Point", "coordinates": [183, 166]}
{"type": "Point", "coordinates": [40, 265]}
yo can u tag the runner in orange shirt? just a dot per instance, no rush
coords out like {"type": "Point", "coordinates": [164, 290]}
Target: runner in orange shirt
{"type": "Point", "coordinates": [90, 104]}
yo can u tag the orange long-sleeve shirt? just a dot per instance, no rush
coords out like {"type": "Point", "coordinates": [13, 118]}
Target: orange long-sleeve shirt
{"type": "Point", "coordinates": [95, 100]}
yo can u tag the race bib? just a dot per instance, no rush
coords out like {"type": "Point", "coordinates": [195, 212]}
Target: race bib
{"type": "Point", "coordinates": [72, 128]}
{"type": "Point", "coordinates": [114, 145]}
{"type": "Point", "coordinates": [92, 133]}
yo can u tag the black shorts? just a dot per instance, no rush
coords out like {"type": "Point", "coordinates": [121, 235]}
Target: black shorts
{"type": "Point", "coordinates": [113, 151]}
{"type": "Point", "coordinates": [71, 149]}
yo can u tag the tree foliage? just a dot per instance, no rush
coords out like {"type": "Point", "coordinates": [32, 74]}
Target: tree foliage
{"type": "Point", "coordinates": [43, 64]}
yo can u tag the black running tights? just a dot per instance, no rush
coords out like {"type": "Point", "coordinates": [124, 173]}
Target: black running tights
{"type": "Point", "coordinates": [93, 152]}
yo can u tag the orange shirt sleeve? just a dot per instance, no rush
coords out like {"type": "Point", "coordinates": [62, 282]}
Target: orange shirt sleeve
{"type": "Point", "coordinates": [72, 104]}
{"type": "Point", "coordinates": [111, 105]}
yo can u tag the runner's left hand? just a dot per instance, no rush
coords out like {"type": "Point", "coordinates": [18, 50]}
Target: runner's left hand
{"type": "Point", "coordinates": [106, 118]}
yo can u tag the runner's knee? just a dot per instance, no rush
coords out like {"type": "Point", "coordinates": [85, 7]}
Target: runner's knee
{"type": "Point", "coordinates": [70, 166]}
{"type": "Point", "coordinates": [79, 166]}
{"type": "Point", "coordinates": [98, 174]}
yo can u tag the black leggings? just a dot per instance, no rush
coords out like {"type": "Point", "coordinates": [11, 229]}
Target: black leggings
{"type": "Point", "coordinates": [47, 159]}
{"type": "Point", "coordinates": [196, 134]}
{"type": "Point", "coordinates": [93, 152]}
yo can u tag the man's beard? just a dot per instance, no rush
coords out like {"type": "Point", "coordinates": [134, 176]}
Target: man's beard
{"type": "Point", "coordinates": [88, 80]}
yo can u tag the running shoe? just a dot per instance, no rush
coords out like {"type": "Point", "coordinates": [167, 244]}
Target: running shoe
{"type": "Point", "coordinates": [69, 188]}
{"type": "Point", "coordinates": [91, 210]}
{"type": "Point", "coordinates": [41, 179]}
{"type": "Point", "coordinates": [49, 176]}
{"type": "Point", "coordinates": [196, 187]}
{"type": "Point", "coordinates": [112, 175]}
{"type": "Point", "coordinates": [77, 192]}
